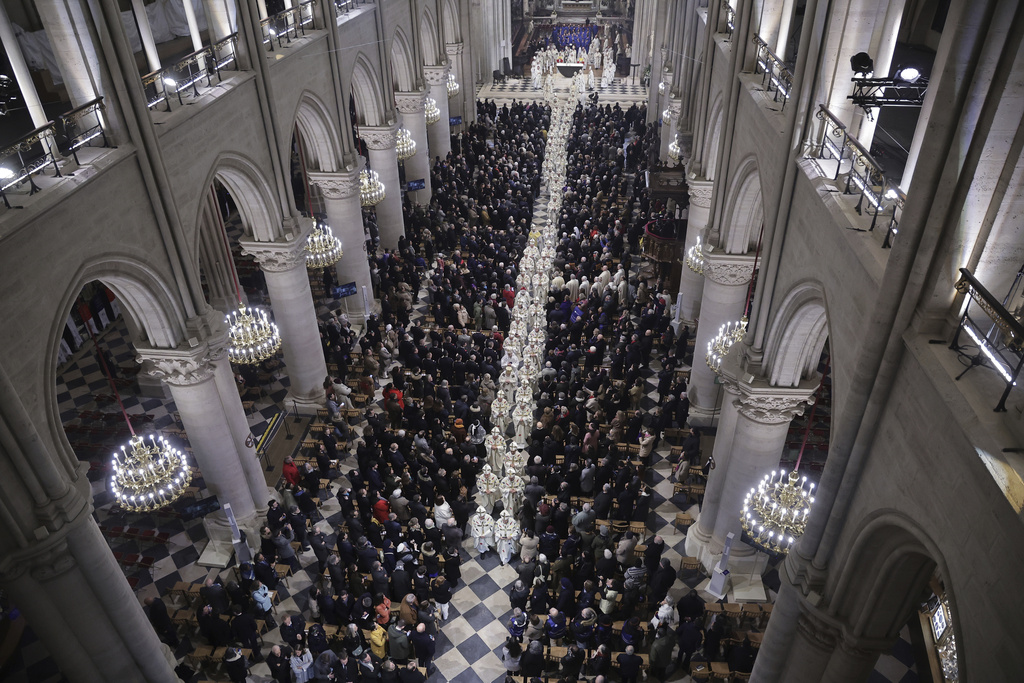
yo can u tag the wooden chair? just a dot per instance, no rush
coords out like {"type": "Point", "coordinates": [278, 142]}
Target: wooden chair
{"type": "Point", "coordinates": [691, 564]}
{"type": "Point", "coordinates": [684, 519]}
{"type": "Point", "coordinates": [766, 613]}
{"type": "Point", "coordinates": [699, 671]}
{"type": "Point", "coordinates": [720, 671]}
{"type": "Point", "coordinates": [752, 611]}
{"type": "Point", "coordinates": [639, 530]}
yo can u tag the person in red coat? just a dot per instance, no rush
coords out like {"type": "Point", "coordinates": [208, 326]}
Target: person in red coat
{"type": "Point", "coordinates": [381, 509]}
{"type": "Point", "coordinates": [290, 472]}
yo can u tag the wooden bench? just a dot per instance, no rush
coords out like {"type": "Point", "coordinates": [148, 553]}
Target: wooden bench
{"type": "Point", "coordinates": [684, 519]}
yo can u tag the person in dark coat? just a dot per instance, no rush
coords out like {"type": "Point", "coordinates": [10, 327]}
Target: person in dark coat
{"type": "Point", "coordinates": [424, 644]}
{"type": "Point", "coordinates": [531, 663]}
{"type": "Point", "coordinates": [156, 610]}
{"type": "Point", "coordinates": [661, 581]}
{"type": "Point", "coordinates": [279, 661]}
{"type": "Point", "coordinates": [741, 658]}
{"type": "Point", "coordinates": [629, 665]}
{"type": "Point", "coordinates": [246, 632]}
{"type": "Point", "coordinates": [235, 665]}
{"type": "Point", "coordinates": [689, 637]}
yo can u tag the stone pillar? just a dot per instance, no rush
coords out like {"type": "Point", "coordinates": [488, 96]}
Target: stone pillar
{"type": "Point", "coordinates": [380, 143]}
{"type": "Point", "coordinates": [220, 17]}
{"type": "Point", "coordinates": [726, 279]}
{"type": "Point", "coordinates": [206, 417]}
{"type": "Point", "coordinates": [146, 35]}
{"type": "Point", "coordinates": [284, 266]}
{"type": "Point", "coordinates": [459, 104]}
{"type": "Point", "coordinates": [439, 137]}
{"type": "Point", "coordinates": [340, 193]}
{"type": "Point", "coordinates": [417, 167]}
{"type": "Point", "coordinates": [66, 25]}
{"type": "Point", "coordinates": [26, 86]}
{"type": "Point", "coordinates": [691, 284]}
{"type": "Point", "coordinates": [75, 597]}
{"type": "Point", "coordinates": [797, 646]}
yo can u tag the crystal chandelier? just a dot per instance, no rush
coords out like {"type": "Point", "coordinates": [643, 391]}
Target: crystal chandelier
{"type": "Point", "coordinates": [405, 146]}
{"type": "Point", "coordinates": [431, 111]}
{"type": "Point", "coordinates": [666, 115]}
{"type": "Point", "coordinates": [322, 248]}
{"type": "Point", "coordinates": [661, 88]}
{"type": "Point", "coordinates": [254, 338]}
{"type": "Point", "coordinates": [695, 257]}
{"type": "Point", "coordinates": [453, 86]}
{"type": "Point", "coordinates": [775, 512]}
{"type": "Point", "coordinates": [148, 476]}
{"type": "Point", "coordinates": [728, 334]}
{"type": "Point", "coordinates": [371, 189]}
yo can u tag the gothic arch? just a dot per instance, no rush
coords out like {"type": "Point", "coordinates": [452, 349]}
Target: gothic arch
{"type": "Point", "coordinates": [403, 66]}
{"type": "Point", "coordinates": [370, 108]}
{"type": "Point", "coordinates": [252, 193]}
{"type": "Point", "coordinates": [797, 336]}
{"type": "Point", "coordinates": [890, 563]}
{"type": "Point", "coordinates": [433, 54]}
{"type": "Point", "coordinates": [152, 311]}
{"type": "Point", "coordinates": [710, 156]}
{"type": "Point", "coordinates": [450, 22]}
{"type": "Point", "coordinates": [319, 136]}
{"type": "Point", "coordinates": [744, 213]}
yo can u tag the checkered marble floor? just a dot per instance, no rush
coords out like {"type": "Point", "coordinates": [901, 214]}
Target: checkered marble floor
{"type": "Point", "coordinates": [470, 640]}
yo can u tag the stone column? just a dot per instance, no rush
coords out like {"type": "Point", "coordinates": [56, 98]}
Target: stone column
{"type": "Point", "coordinates": [417, 167]}
{"type": "Point", "coordinates": [726, 279]}
{"type": "Point", "coordinates": [691, 284]}
{"type": "Point", "coordinates": [67, 28]}
{"type": "Point", "coordinates": [26, 86]}
{"type": "Point", "coordinates": [77, 601]}
{"type": "Point", "coordinates": [340, 193]}
{"type": "Point", "coordinates": [458, 104]}
{"type": "Point", "coordinates": [206, 416]}
{"type": "Point", "coordinates": [439, 134]}
{"type": "Point", "coordinates": [380, 142]}
{"type": "Point", "coordinates": [146, 35]}
{"type": "Point", "coordinates": [284, 266]}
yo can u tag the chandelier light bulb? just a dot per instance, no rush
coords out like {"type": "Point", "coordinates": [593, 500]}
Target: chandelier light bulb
{"type": "Point", "coordinates": [453, 86]}
{"type": "Point", "coordinates": [718, 347]}
{"type": "Point", "coordinates": [695, 257]}
{"type": "Point", "coordinates": [405, 146]}
{"type": "Point", "coordinates": [430, 110]}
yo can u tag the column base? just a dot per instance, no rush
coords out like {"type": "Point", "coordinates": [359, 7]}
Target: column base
{"type": "Point", "coordinates": [220, 550]}
{"type": "Point", "coordinates": [743, 559]}
{"type": "Point", "coordinates": [703, 417]}
{"type": "Point", "coordinates": [305, 405]}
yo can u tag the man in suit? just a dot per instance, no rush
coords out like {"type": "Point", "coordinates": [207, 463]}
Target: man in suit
{"type": "Point", "coordinates": [156, 610]}
{"type": "Point", "coordinates": [424, 644]}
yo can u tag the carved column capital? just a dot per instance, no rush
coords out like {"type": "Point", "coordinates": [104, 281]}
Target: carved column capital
{"type": "Point", "coordinates": [771, 409]}
{"type": "Point", "coordinates": [727, 269]}
{"type": "Point", "coordinates": [42, 562]}
{"type": "Point", "coordinates": [184, 366]}
{"type": "Point", "coordinates": [336, 185]}
{"type": "Point", "coordinates": [818, 632]}
{"type": "Point", "coordinates": [278, 257]}
{"type": "Point", "coordinates": [453, 49]}
{"type": "Point", "coordinates": [379, 137]}
{"type": "Point", "coordinates": [410, 102]}
{"type": "Point", "coordinates": [700, 192]}
{"type": "Point", "coordinates": [437, 75]}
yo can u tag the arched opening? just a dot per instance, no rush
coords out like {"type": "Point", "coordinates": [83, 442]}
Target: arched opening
{"type": "Point", "coordinates": [741, 224]}
{"type": "Point", "coordinates": [403, 66]}
{"type": "Point", "coordinates": [711, 145]}
{"type": "Point", "coordinates": [433, 54]}
{"type": "Point", "coordinates": [450, 22]}
{"type": "Point", "coordinates": [369, 100]}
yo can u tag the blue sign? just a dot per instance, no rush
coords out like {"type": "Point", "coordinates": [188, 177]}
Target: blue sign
{"type": "Point", "coordinates": [420, 184]}
{"type": "Point", "coordinates": [454, 120]}
{"type": "Point", "coordinates": [345, 290]}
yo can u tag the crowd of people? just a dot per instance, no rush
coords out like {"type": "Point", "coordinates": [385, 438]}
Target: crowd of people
{"type": "Point", "coordinates": [393, 564]}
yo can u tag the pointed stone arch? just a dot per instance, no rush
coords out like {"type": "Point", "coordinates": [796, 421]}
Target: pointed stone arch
{"type": "Point", "coordinates": [433, 54]}
{"type": "Point", "coordinates": [365, 88]}
{"type": "Point", "coordinates": [403, 65]}
{"type": "Point", "coordinates": [252, 193]}
{"type": "Point", "coordinates": [797, 336]}
{"type": "Point", "coordinates": [319, 136]}
{"type": "Point", "coordinates": [450, 21]}
{"type": "Point", "coordinates": [710, 156]}
{"type": "Point", "coordinates": [744, 211]}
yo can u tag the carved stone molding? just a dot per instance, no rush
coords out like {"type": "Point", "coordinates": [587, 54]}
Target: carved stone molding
{"type": "Point", "coordinates": [410, 102]}
{"type": "Point", "coordinates": [700, 193]}
{"type": "Point", "coordinates": [41, 562]}
{"type": "Point", "coordinates": [727, 272]}
{"type": "Point", "coordinates": [336, 185]}
{"type": "Point", "coordinates": [817, 632]}
{"type": "Point", "coordinates": [183, 368]}
{"type": "Point", "coordinates": [675, 107]}
{"type": "Point", "coordinates": [379, 137]}
{"type": "Point", "coordinates": [771, 409]}
{"type": "Point", "coordinates": [276, 257]}
{"type": "Point", "coordinates": [453, 49]}
{"type": "Point", "coordinates": [437, 75]}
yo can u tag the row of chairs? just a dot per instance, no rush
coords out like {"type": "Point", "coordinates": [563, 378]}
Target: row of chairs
{"type": "Point", "coordinates": [152, 536]}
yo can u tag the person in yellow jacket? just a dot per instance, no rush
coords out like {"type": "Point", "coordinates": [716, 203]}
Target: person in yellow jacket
{"type": "Point", "coordinates": [379, 641]}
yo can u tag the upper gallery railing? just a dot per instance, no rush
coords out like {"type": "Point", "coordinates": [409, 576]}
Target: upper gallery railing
{"type": "Point", "coordinates": [185, 77]}
{"type": "Point", "coordinates": [778, 79]}
{"type": "Point", "coordinates": [289, 25]}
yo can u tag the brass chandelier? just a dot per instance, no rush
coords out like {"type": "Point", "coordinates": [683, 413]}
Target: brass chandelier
{"type": "Point", "coordinates": [430, 110]}
{"type": "Point", "coordinates": [254, 338]}
{"type": "Point", "coordinates": [718, 347]}
{"type": "Point", "coordinates": [405, 146]}
{"type": "Point", "coordinates": [371, 189]}
{"type": "Point", "coordinates": [148, 476]}
{"type": "Point", "coordinates": [322, 248]}
{"type": "Point", "coordinates": [453, 86]}
{"type": "Point", "coordinates": [695, 257]}
{"type": "Point", "coordinates": [673, 149]}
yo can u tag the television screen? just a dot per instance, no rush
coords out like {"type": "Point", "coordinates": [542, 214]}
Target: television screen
{"type": "Point", "coordinates": [416, 185]}
{"type": "Point", "coordinates": [345, 290]}
{"type": "Point", "coordinates": [454, 120]}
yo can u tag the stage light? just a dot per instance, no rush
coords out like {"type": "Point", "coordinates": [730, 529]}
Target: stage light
{"type": "Point", "coordinates": [861, 63]}
{"type": "Point", "coordinates": [908, 74]}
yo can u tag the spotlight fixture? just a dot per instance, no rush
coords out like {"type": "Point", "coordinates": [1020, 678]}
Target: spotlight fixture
{"type": "Point", "coordinates": [905, 88]}
{"type": "Point", "coordinates": [8, 93]}
{"type": "Point", "coordinates": [908, 74]}
{"type": "Point", "coordinates": [862, 64]}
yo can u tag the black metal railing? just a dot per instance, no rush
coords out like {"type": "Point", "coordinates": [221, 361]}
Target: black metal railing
{"type": "Point", "coordinates": [897, 199]}
{"type": "Point", "coordinates": [346, 6]}
{"type": "Point", "coordinates": [185, 77]}
{"type": "Point", "coordinates": [289, 25]}
{"type": "Point", "coordinates": [729, 14]}
{"type": "Point", "coordinates": [1000, 346]}
{"type": "Point", "coordinates": [777, 78]}
{"type": "Point", "coordinates": [28, 155]}
{"type": "Point", "coordinates": [82, 126]}
{"type": "Point", "coordinates": [865, 176]}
